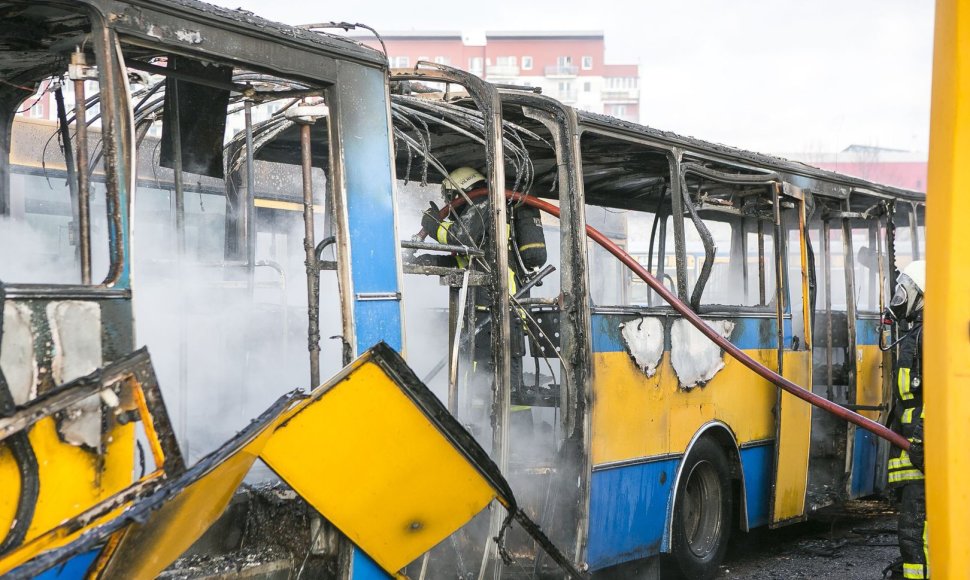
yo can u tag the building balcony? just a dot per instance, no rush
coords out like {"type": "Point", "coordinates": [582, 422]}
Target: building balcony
{"type": "Point", "coordinates": [561, 70]}
{"type": "Point", "coordinates": [502, 70]}
{"type": "Point", "coordinates": [620, 95]}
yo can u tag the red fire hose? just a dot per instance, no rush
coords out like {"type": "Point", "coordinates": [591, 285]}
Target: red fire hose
{"type": "Point", "coordinates": [738, 354]}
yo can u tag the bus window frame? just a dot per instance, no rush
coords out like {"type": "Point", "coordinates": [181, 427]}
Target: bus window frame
{"type": "Point", "coordinates": [672, 155]}
{"type": "Point", "coordinates": [575, 340]}
{"type": "Point", "coordinates": [774, 188]}
{"type": "Point", "coordinates": [116, 162]}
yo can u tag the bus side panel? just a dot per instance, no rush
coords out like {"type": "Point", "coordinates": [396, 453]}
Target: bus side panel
{"type": "Point", "coordinates": [793, 442]}
{"type": "Point", "coordinates": [628, 511]}
{"type": "Point", "coordinates": [869, 391]}
{"type": "Point", "coordinates": [641, 427]}
{"type": "Point", "coordinates": [757, 462]}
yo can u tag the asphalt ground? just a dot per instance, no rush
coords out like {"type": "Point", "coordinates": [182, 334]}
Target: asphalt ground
{"type": "Point", "coordinates": [855, 541]}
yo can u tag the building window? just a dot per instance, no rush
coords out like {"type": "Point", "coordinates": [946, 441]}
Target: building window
{"type": "Point", "coordinates": [424, 58]}
{"type": "Point", "coordinates": [621, 82]}
{"type": "Point", "coordinates": [505, 61]}
{"type": "Point", "coordinates": [526, 63]}
{"type": "Point", "coordinates": [587, 63]}
{"type": "Point", "coordinates": [400, 61]}
{"type": "Point", "coordinates": [475, 64]}
{"type": "Point", "coordinates": [442, 60]}
{"type": "Point", "coordinates": [563, 61]}
{"type": "Point", "coordinates": [587, 87]}
{"type": "Point", "coordinates": [618, 111]}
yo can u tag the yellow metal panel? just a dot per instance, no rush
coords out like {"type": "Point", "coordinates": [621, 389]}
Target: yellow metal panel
{"type": "Point", "coordinates": [634, 416]}
{"type": "Point", "coordinates": [870, 381]}
{"type": "Point", "coordinates": [71, 481]}
{"type": "Point", "coordinates": [794, 440]}
{"type": "Point", "coordinates": [284, 205]}
{"type": "Point", "coordinates": [946, 353]}
{"type": "Point", "coordinates": [147, 549]}
{"type": "Point", "coordinates": [366, 457]}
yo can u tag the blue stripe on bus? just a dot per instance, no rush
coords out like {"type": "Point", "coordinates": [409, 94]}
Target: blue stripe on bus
{"type": "Point", "coordinates": [864, 454]}
{"type": "Point", "coordinates": [628, 512]}
{"type": "Point", "coordinates": [866, 332]}
{"type": "Point", "coordinates": [75, 568]}
{"type": "Point", "coordinates": [606, 332]}
{"type": "Point", "coordinates": [748, 334]}
{"type": "Point", "coordinates": [757, 463]}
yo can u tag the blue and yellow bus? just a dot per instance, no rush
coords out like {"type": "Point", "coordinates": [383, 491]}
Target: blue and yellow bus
{"type": "Point", "coordinates": [625, 433]}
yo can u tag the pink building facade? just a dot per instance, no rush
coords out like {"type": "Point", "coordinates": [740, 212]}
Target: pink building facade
{"type": "Point", "coordinates": [906, 169]}
{"type": "Point", "coordinates": [569, 66]}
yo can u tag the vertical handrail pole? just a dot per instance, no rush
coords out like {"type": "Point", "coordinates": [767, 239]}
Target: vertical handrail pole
{"type": "Point", "coordinates": [183, 333]}
{"type": "Point", "coordinates": [309, 247]}
{"type": "Point", "coordinates": [83, 185]}
{"type": "Point", "coordinates": [250, 213]}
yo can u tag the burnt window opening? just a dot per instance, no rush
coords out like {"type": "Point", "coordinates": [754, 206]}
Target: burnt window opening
{"type": "Point", "coordinates": [219, 233]}
{"type": "Point", "coordinates": [627, 188]}
{"type": "Point", "coordinates": [52, 211]}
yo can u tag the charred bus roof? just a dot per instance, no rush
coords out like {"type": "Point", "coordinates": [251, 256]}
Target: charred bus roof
{"type": "Point", "coordinates": [624, 164]}
{"type": "Point", "coordinates": [741, 160]}
{"type": "Point", "coordinates": [37, 36]}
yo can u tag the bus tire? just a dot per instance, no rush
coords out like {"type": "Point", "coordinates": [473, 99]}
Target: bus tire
{"type": "Point", "coordinates": [703, 512]}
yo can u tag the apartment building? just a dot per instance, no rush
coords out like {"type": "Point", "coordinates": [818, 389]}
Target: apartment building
{"type": "Point", "coordinates": [567, 65]}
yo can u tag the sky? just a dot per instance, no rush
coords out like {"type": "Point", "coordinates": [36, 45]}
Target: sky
{"type": "Point", "coordinates": [778, 76]}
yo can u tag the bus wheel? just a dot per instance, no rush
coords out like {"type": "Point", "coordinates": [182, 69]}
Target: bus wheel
{"type": "Point", "coordinates": [702, 515]}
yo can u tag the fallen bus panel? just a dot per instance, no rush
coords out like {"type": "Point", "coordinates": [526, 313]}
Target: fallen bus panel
{"type": "Point", "coordinates": [156, 528]}
{"type": "Point", "coordinates": [127, 395]}
{"type": "Point", "coordinates": [373, 450]}
{"type": "Point", "coordinates": [378, 455]}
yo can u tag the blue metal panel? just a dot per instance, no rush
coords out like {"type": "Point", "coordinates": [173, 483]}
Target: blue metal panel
{"type": "Point", "coordinates": [756, 463]}
{"type": "Point", "coordinates": [748, 334]}
{"type": "Point", "coordinates": [74, 569]}
{"type": "Point", "coordinates": [606, 332]}
{"type": "Point", "coordinates": [866, 332]}
{"type": "Point", "coordinates": [363, 568]}
{"type": "Point", "coordinates": [864, 454]}
{"type": "Point", "coordinates": [628, 512]}
{"type": "Point", "coordinates": [364, 125]}
{"type": "Point", "coordinates": [377, 321]}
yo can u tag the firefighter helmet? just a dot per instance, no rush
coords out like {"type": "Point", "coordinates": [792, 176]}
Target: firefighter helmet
{"type": "Point", "coordinates": [907, 300]}
{"type": "Point", "coordinates": [462, 178]}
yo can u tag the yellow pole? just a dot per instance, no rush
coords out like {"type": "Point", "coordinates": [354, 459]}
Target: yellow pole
{"type": "Point", "coordinates": [946, 353]}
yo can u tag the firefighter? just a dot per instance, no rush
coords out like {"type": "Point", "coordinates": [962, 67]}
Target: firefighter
{"type": "Point", "coordinates": [527, 252]}
{"type": "Point", "coordinates": [906, 468]}
{"type": "Point", "coordinates": [527, 247]}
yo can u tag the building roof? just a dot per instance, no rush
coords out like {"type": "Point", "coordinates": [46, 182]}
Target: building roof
{"type": "Point", "coordinates": [544, 34]}
{"type": "Point", "coordinates": [411, 35]}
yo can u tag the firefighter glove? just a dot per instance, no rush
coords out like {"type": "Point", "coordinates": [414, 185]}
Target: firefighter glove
{"type": "Point", "coordinates": [430, 220]}
{"type": "Point", "coordinates": [916, 455]}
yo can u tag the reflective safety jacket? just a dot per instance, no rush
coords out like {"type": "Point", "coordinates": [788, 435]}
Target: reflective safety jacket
{"type": "Point", "coordinates": [527, 244]}
{"type": "Point", "coordinates": [908, 408]}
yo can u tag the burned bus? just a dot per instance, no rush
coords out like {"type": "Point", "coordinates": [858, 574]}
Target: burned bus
{"type": "Point", "coordinates": [248, 200]}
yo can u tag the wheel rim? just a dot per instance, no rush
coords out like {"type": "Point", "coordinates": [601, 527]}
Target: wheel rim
{"type": "Point", "coordinates": [702, 510]}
